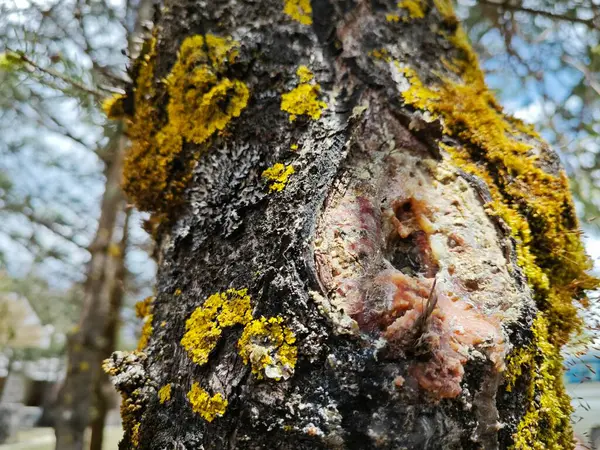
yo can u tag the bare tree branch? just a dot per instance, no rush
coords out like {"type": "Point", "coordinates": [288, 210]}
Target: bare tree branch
{"type": "Point", "coordinates": [555, 16]}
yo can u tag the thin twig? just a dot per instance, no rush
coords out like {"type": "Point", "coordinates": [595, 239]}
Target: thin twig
{"type": "Point", "coordinates": [53, 73]}
{"type": "Point", "coordinates": [584, 70]}
{"type": "Point", "coordinates": [513, 7]}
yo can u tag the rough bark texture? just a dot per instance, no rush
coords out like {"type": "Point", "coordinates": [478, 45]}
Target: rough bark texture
{"type": "Point", "coordinates": [347, 257]}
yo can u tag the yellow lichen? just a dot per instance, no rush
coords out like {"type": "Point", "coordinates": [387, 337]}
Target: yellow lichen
{"type": "Point", "coordinates": [413, 10]}
{"type": "Point", "coordinates": [304, 99]}
{"type": "Point", "coordinates": [268, 346]}
{"type": "Point", "coordinates": [202, 102]}
{"type": "Point", "coordinates": [299, 10]}
{"type": "Point", "coordinates": [146, 332]}
{"type": "Point", "coordinates": [205, 325]}
{"type": "Point", "coordinates": [164, 393]}
{"type": "Point", "coordinates": [135, 435]}
{"type": "Point", "coordinates": [144, 307]}
{"type": "Point", "coordinates": [304, 74]}
{"type": "Point", "coordinates": [278, 176]}
{"type": "Point", "coordinates": [538, 209]}
{"type": "Point", "coordinates": [113, 106]}
{"type": "Point", "coordinates": [446, 10]}
{"type": "Point", "coordinates": [413, 7]}
{"type": "Point", "coordinates": [294, 147]}
{"type": "Point", "coordinates": [382, 54]}
{"type": "Point", "coordinates": [205, 405]}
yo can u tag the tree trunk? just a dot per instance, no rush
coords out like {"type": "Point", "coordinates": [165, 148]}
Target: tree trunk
{"type": "Point", "coordinates": [102, 390]}
{"type": "Point", "coordinates": [82, 400]}
{"type": "Point", "coordinates": [357, 248]}
{"type": "Point", "coordinates": [89, 343]}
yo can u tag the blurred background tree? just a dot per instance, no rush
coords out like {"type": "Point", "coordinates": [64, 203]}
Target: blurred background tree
{"type": "Point", "coordinates": [64, 216]}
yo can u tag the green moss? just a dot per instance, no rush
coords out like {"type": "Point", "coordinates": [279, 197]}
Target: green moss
{"type": "Point", "coordinates": [304, 99]}
{"type": "Point", "coordinates": [538, 208]}
{"type": "Point", "coordinates": [299, 10]}
{"type": "Point", "coordinates": [268, 346]}
{"type": "Point", "coordinates": [547, 421]}
{"type": "Point", "coordinates": [202, 102]}
{"type": "Point", "coordinates": [205, 405]}
{"type": "Point", "coordinates": [205, 325]}
{"type": "Point", "coordinates": [278, 176]}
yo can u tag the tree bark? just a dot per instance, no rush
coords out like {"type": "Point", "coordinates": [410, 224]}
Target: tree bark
{"type": "Point", "coordinates": [357, 248]}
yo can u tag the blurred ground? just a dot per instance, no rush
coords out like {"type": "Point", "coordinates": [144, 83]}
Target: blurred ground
{"type": "Point", "coordinates": [43, 439]}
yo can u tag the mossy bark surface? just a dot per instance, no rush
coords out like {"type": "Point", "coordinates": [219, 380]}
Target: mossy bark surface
{"type": "Point", "coordinates": [344, 260]}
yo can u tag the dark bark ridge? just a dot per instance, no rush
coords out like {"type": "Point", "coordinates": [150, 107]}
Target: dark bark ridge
{"type": "Point", "coordinates": [366, 376]}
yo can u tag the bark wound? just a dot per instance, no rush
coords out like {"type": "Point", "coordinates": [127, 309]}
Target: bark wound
{"type": "Point", "coordinates": [405, 248]}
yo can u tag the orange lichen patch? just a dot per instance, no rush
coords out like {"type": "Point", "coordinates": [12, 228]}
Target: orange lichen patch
{"type": "Point", "coordinates": [278, 176]}
{"type": "Point", "coordinates": [164, 393]}
{"type": "Point", "coordinates": [299, 10]}
{"type": "Point", "coordinates": [304, 99]}
{"type": "Point", "coordinates": [268, 346]}
{"type": "Point", "coordinates": [202, 102]}
{"type": "Point", "coordinates": [205, 405]}
{"type": "Point", "coordinates": [205, 325]}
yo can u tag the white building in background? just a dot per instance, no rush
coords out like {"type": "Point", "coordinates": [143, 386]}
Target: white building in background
{"type": "Point", "coordinates": [27, 387]}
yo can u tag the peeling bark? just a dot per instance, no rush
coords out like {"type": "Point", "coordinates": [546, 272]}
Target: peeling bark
{"type": "Point", "coordinates": [387, 296]}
